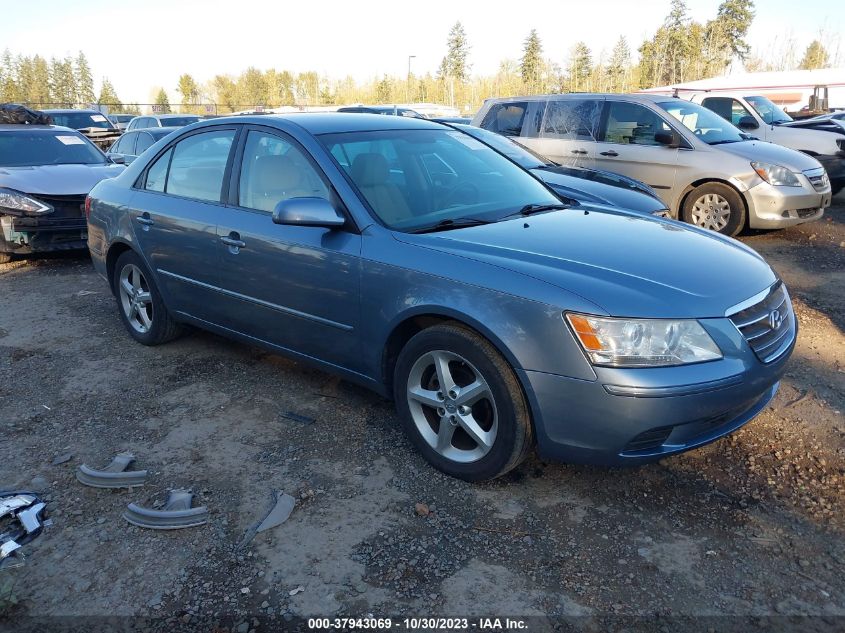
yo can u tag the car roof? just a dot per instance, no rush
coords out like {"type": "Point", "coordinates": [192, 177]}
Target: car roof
{"type": "Point", "coordinates": [171, 115]}
{"type": "Point", "coordinates": [333, 122]}
{"type": "Point", "coordinates": [17, 127]}
{"type": "Point", "coordinates": [637, 96]}
{"type": "Point", "coordinates": [71, 111]}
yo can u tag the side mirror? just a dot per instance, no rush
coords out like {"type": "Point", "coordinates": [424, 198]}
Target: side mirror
{"type": "Point", "coordinates": [117, 159]}
{"type": "Point", "coordinates": [307, 212]}
{"type": "Point", "coordinates": [748, 123]}
{"type": "Point", "coordinates": [669, 139]}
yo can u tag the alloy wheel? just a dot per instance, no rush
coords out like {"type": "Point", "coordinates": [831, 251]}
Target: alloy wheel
{"type": "Point", "coordinates": [711, 211]}
{"type": "Point", "coordinates": [452, 406]}
{"type": "Point", "coordinates": [135, 298]}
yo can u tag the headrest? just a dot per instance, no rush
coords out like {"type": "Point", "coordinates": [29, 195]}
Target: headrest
{"type": "Point", "coordinates": [370, 170]}
{"type": "Point", "coordinates": [276, 173]}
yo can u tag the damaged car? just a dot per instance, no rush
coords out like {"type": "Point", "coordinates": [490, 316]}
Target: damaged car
{"type": "Point", "coordinates": [95, 125]}
{"type": "Point", "coordinates": [45, 173]}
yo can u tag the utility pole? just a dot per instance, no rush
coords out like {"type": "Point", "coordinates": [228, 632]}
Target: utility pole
{"type": "Point", "coordinates": [408, 80]}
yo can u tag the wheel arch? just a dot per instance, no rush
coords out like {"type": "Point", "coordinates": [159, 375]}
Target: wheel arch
{"type": "Point", "coordinates": [115, 251]}
{"type": "Point", "coordinates": [682, 199]}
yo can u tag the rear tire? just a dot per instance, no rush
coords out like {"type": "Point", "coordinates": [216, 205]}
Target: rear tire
{"type": "Point", "coordinates": [461, 404]}
{"type": "Point", "coordinates": [716, 207]}
{"type": "Point", "coordinates": [139, 302]}
{"type": "Point", "coordinates": [5, 258]}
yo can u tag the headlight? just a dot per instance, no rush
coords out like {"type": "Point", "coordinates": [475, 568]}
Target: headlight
{"type": "Point", "coordinates": [642, 342]}
{"type": "Point", "coordinates": [15, 203]}
{"type": "Point", "coordinates": [776, 175]}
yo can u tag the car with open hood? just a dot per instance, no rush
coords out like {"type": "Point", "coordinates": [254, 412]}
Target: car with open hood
{"type": "Point", "coordinates": [46, 171]}
{"type": "Point", "coordinates": [95, 125]}
{"type": "Point", "coordinates": [496, 315]}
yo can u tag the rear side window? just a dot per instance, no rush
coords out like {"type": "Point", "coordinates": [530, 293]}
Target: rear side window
{"type": "Point", "coordinates": [157, 174]}
{"type": "Point", "coordinates": [198, 165]}
{"type": "Point", "coordinates": [505, 118]}
{"type": "Point", "coordinates": [125, 145]}
{"type": "Point", "coordinates": [572, 119]}
{"type": "Point", "coordinates": [632, 124]}
{"type": "Point", "coordinates": [145, 141]}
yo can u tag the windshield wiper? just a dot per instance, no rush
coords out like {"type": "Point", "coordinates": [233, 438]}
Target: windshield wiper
{"type": "Point", "coordinates": [723, 141]}
{"type": "Point", "coordinates": [531, 209]}
{"type": "Point", "coordinates": [448, 225]}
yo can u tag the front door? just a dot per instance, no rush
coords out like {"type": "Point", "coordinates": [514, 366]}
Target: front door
{"type": "Point", "coordinates": [294, 286]}
{"type": "Point", "coordinates": [175, 217]}
{"type": "Point", "coordinates": [627, 146]}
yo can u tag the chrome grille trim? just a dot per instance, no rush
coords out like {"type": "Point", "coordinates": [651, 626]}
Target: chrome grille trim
{"type": "Point", "coordinates": [753, 320]}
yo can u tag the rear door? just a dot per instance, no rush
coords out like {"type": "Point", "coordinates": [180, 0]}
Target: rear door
{"type": "Point", "coordinates": [569, 131]}
{"type": "Point", "coordinates": [293, 286]}
{"type": "Point", "coordinates": [627, 146]}
{"type": "Point", "coordinates": [175, 214]}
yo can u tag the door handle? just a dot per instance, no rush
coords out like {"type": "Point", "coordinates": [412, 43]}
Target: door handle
{"type": "Point", "coordinates": [610, 153]}
{"type": "Point", "coordinates": [145, 219]}
{"type": "Point", "coordinates": [233, 240]}
{"type": "Point", "coordinates": [579, 151]}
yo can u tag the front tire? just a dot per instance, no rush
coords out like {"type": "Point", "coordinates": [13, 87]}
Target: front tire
{"type": "Point", "coordinates": [716, 207]}
{"type": "Point", "coordinates": [5, 258]}
{"type": "Point", "coordinates": [461, 404]}
{"type": "Point", "coordinates": [140, 304]}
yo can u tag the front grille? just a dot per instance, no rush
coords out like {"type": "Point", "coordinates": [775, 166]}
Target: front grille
{"type": "Point", "coordinates": [648, 440]}
{"type": "Point", "coordinates": [806, 213]}
{"type": "Point", "coordinates": [65, 206]}
{"type": "Point", "coordinates": [769, 325]}
{"type": "Point", "coordinates": [818, 178]}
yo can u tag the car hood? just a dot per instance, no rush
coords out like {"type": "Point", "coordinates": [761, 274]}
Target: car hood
{"type": "Point", "coordinates": [627, 264]}
{"type": "Point", "coordinates": [57, 180]}
{"type": "Point", "coordinates": [593, 191]}
{"type": "Point", "coordinates": [771, 153]}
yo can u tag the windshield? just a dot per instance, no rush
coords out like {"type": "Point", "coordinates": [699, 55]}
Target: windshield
{"type": "Point", "coordinates": [80, 120]}
{"type": "Point", "coordinates": [121, 118]}
{"type": "Point", "coordinates": [521, 155]}
{"type": "Point", "coordinates": [768, 111]}
{"type": "Point", "coordinates": [179, 121]}
{"type": "Point", "coordinates": [704, 123]}
{"type": "Point", "coordinates": [413, 179]}
{"type": "Point", "coordinates": [31, 148]}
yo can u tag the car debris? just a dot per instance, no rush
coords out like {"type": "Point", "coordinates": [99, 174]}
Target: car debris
{"type": "Point", "coordinates": [176, 514]}
{"type": "Point", "coordinates": [114, 475]}
{"type": "Point", "coordinates": [280, 512]}
{"type": "Point", "coordinates": [21, 520]}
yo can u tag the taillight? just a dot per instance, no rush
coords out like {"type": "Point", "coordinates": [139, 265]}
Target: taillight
{"type": "Point", "coordinates": [87, 207]}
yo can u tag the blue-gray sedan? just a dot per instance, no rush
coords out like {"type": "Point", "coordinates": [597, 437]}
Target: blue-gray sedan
{"type": "Point", "coordinates": [417, 261]}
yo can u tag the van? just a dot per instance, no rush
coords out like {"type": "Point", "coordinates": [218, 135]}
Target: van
{"type": "Point", "coordinates": [708, 172]}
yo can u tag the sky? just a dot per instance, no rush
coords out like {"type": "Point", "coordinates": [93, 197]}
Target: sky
{"type": "Point", "coordinates": [143, 45]}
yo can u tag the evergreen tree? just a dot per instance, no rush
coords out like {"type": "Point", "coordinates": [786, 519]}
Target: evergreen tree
{"type": "Point", "coordinates": [816, 56]}
{"type": "Point", "coordinates": [62, 82]}
{"type": "Point", "coordinates": [734, 18]}
{"type": "Point", "coordinates": [580, 65]}
{"type": "Point", "coordinates": [83, 79]}
{"type": "Point", "coordinates": [530, 67]}
{"type": "Point", "coordinates": [384, 90]}
{"type": "Point", "coordinates": [162, 100]}
{"type": "Point", "coordinates": [109, 98]}
{"type": "Point", "coordinates": [455, 64]}
{"type": "Point", "coordinates": [617, 67]}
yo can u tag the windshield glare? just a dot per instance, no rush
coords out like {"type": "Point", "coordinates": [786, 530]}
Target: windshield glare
{"type": "Point", "coordinates": [705, 124]}
{"type": "Point", "coordinates": [768, 111]}
{"type": "Point", "coordinates": [418, 178]}
{"type": "Point", "coordinates": [80, 120]}
{"type": "Point", "coordinates": [28, 148]}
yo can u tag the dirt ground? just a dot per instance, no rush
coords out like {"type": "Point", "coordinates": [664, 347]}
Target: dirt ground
{"type": "Point", "coordinates": [749, 527]}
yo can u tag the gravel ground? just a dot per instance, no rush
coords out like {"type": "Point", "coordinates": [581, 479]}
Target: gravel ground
{"type": "Point", "coordinates": [749, 526]}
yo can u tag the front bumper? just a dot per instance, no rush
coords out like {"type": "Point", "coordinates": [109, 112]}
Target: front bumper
{"type": "Point", "coordinates": [771, 207]}
{"type": "Point", "coordinates": [28, 235]}
{"type": "Point", "coordinates": [634, 416]}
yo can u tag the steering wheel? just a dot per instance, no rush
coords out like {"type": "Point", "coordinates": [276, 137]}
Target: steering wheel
{"type": "Point", "coordinates": [454, 196]}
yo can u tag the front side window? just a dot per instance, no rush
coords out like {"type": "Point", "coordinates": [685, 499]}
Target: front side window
{"type": "Point", "coordinates": [727, 108]}
{"type": "Point", "coordinates": [632, 124]}
{"type": "Point", "coordinates": [505, 118]}
{"type": "Point", "coordinates": [29, 148]}
{"type": "Point", "coordinates": [274, 169]}
{"type": "Point", "coordinates": [707, 125]}
{"type": "Point", "coordinates": [178, 121]}
{"type": "Point", "coordinates": [768, 111]}
{"type": "Point", "coordinates": [417, 179]}
{"type": "Point", "coordinates": [576, 119]}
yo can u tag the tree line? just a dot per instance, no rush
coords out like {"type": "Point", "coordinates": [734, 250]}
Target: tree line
{"type": "Point", "coordinates": [680, 50]}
